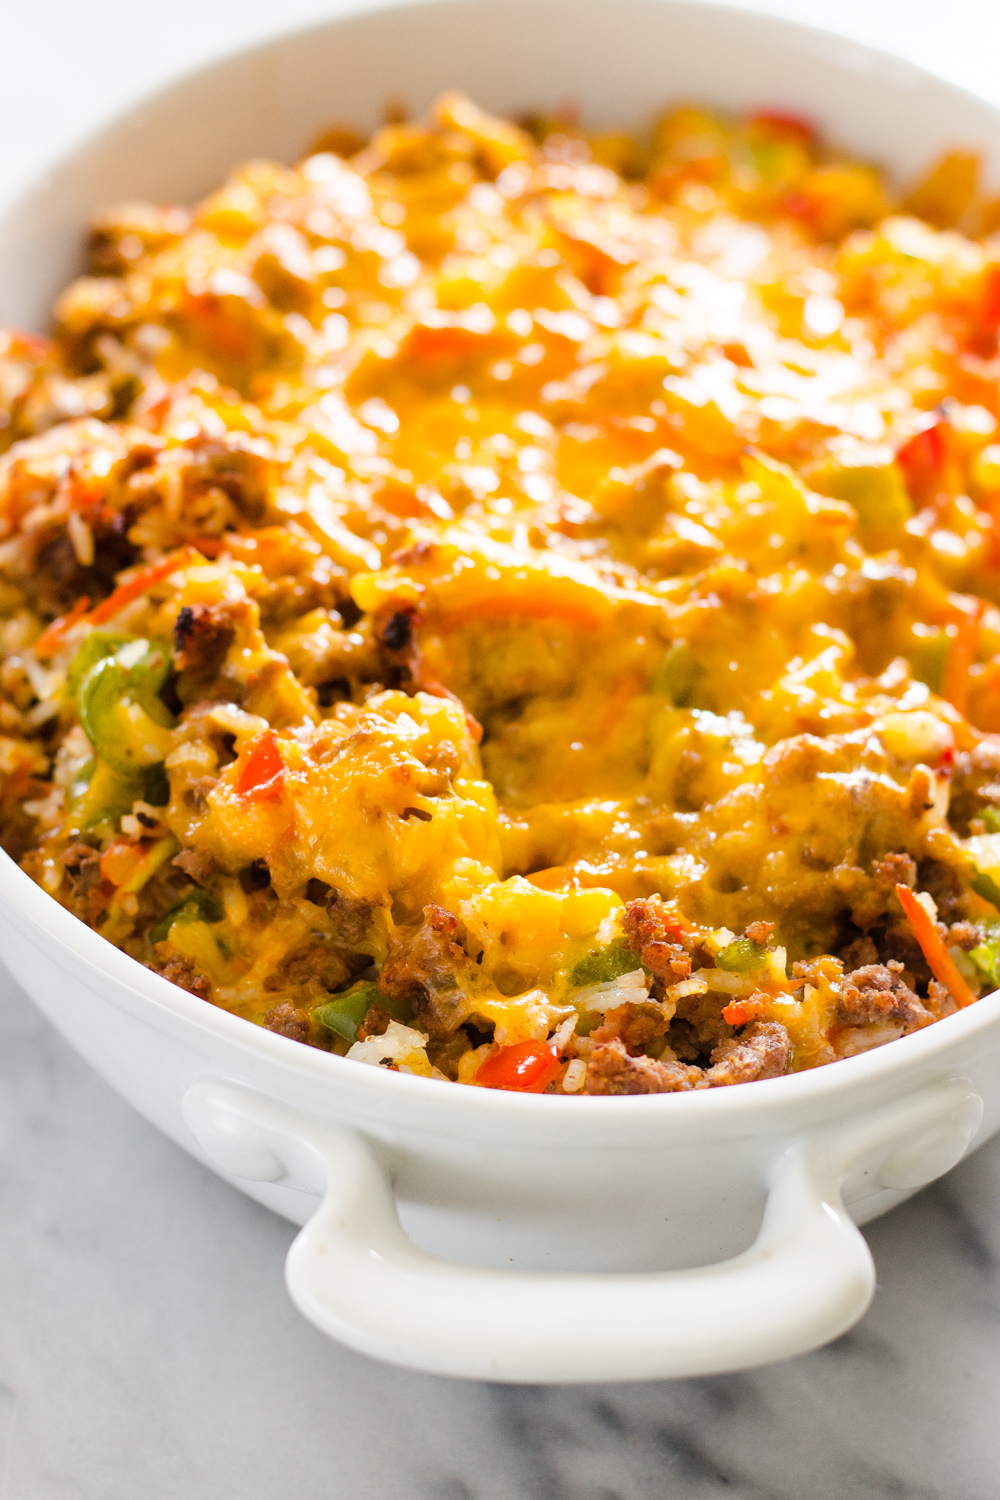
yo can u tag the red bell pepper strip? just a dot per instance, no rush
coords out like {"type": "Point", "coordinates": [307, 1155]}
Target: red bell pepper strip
{"type": "Point", "coordinates": [924, 462]}
{"type": "Point", "coordinates": [988, 312]}
{"type": "Point", "coordinates": [984, 319]}
{"type": "Point", "coordinates": [524, 1066]}
{"type": "Point", "coordinates": [939, 960]}
{"type": "Point", "coordinates": [261, 777]}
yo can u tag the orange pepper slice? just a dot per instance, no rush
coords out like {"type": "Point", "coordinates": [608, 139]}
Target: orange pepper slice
{"type": "Point", "coordinates": [939, 960]}
{"type": "Point", "coordinates": [126, 592]}
{"type": "Point", "coordinates": [50, 640]}
{"type": "Point", "coordinates": [961, 655]}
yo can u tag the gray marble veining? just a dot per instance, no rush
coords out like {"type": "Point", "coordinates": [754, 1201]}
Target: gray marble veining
{"type": "Point", "coordinates": [148, 1350]}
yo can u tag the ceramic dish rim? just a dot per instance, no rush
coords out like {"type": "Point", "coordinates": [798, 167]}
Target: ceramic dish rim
{"type": "Point", "coordinates": [890, 1063]}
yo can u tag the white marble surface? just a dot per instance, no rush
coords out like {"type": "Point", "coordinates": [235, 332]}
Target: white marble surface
{"type": "Point", "coordinates": [148, 1351]}
{"type": "Point", "coordinates": [147, 1347]}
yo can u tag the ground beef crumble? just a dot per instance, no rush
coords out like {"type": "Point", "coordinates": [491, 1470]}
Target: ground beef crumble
{"type": "Point", "coordinates": [427, 967]}
{"type": "Point", "coordinates": [878, 992]}
{"type": "Point", "coordinates": [286, 1020]}
{"type": "Point", "coordinates": [181, 971]}
{"type": "Point", "coordinates": [612, 1070]}
{"type": "Point", "coordinates": [635, 1025]}
{"type": "Point", "coordinates": [762, 1051]}
{"type": "Point", "coordinates": [203, 634]}
{"type": "Point", "coordinates": [659, 939]}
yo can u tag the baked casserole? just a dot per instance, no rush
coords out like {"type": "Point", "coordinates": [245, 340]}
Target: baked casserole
{"type": "Point", "coordinates": [518, 605]}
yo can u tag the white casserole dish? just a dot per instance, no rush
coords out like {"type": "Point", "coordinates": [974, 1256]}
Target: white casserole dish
{"type": "Point", "coordinates": [546, 1239]}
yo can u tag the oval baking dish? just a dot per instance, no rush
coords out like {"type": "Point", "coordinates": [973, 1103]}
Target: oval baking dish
{"type": "Point", "coordinates": [463, 1230]}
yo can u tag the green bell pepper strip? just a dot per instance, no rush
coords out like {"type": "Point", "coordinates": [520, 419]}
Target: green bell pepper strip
{"type": "Point", "coordinates": [158, 855]}
{"type": "Point", "coordinates": [198, 905]}
{"type": "Point", "coordinates": [986, 886]}
{"type": "Point", "coordinates": [119, 922]}
{"type": "Point", "coordinates": [742, 957]}
{"type": "Point", "coordinates": [678, 675]}
{"type": "Point", "coordinates": [345, 1013]}
{"type": "Point", "coordinates": [601, 965]}
{"type": "Point", "coordinates": [101, 793]}
{"type": "Point", "coordinates": [928, 657]}
{"type": "Point", "coordinates": [878, 494]}
{"type": "Point", "coordinates": [986, 958]}
{"type": "Point", "coordinates": [98, 645]}
{"type": "Point", "coordinates": [120, 710]}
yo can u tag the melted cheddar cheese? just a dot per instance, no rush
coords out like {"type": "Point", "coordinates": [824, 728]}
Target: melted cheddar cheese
{"type": "Point", "coordinates": [509, 595]}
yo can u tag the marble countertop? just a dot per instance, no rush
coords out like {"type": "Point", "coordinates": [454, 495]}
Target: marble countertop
{"type": "Point", "coordinates": [147, 1347]}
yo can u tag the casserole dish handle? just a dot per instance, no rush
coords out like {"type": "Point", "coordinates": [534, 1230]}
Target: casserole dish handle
{"type": "Point", "coordinates": [807, 1277]}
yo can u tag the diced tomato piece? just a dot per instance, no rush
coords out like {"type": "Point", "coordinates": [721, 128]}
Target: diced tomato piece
{"type": "Point", "coordinates": [736, 1014]}
{"type": "Point", "coordinates": [989, 302]}
{"type": "Point", "coordinates": [784, 123]}
{"type": "Point", "coordinates": [676, 928]}
{"type": "Point", "coordinates": [800, 205]}
{"type": "Point", "coordinates": [121, 860]}
{"type": "Point", "coordinates": [224, 337]}
{"type": "Point", "coordinates": [924, 462]}
{"type": "Point", "coordinates": [441, 345]}
{"type": "Point", "coordinates": [261, 776]}
{"type": "Point", "coordinates": [82, 496]}
{"type": "Point", "coordinates": [751, 1008]}
{"type": "Point", "coordinates": [524, 1066]}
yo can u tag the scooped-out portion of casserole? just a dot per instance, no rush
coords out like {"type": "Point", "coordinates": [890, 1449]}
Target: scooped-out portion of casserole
{"type": "Point", "coordinates": [518, 605]}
